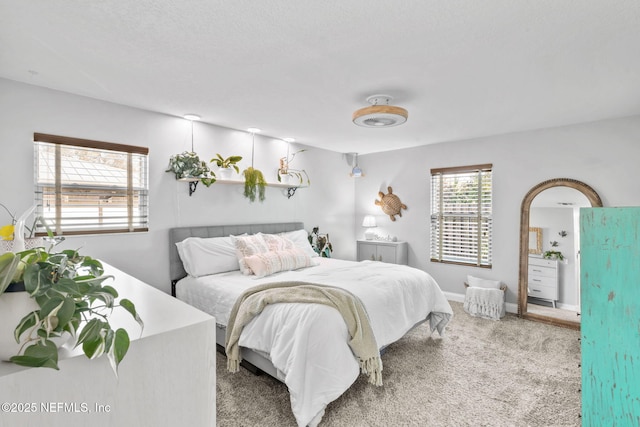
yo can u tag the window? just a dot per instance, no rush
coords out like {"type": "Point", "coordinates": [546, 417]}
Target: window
{"type": "Point", "coordinates": [461, 223]}
{"type": "Point", "coordinates": [88, 187]}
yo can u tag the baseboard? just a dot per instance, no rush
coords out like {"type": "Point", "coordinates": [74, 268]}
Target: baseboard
{"type": "Point", "coordinates": [569, 307]}
{"type": "Point", "coordinates": [510, 307]}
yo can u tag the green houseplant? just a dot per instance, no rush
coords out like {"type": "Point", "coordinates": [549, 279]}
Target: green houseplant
{"type": "Point", "coordinates": [254, 184]}
{"type": "Point", "coordinates": [285, 172]}
{"type": "Point", "coordinates": [70, 299]}
{"type": "Point", "coordinates": [188, 165]}
{"type": "Point", "coordinates": [553, 255]}
{"type": "Point", "coordinates": [225, 165]}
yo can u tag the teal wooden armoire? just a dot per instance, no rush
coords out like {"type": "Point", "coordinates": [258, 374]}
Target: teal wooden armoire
{"type": "Point", "coordinates": [610, 319]}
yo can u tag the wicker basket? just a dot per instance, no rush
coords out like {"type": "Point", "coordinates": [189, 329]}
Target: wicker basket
{"type": "Point", "coordinates": [503, 288]}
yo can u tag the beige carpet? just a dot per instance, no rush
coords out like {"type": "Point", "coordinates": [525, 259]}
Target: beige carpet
{"type": "Point", "coordinates": [511, 372]}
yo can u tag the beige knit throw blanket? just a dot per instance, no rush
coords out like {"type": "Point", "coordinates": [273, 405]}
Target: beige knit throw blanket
{"type": "Point", "coordinates": [253, 301]}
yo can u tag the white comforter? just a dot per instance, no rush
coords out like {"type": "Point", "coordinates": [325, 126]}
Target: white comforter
{"type": "Point", "coordinates": [307, 343]}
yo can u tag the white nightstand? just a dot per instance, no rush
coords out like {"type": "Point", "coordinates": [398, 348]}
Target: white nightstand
{"type": "Point", "coordinates": [381, 250]}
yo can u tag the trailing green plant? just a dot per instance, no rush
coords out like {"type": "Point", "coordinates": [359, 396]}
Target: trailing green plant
{"type": "Point", "coordinates": [72, 299]}
{"type": "Point", "coordinates": [189, 165]}
{"type": "Point", "coordinates": [553, 255]}
{"type": "Point", "coordinates": [254, 184]}
{"type": "Point", "coordinates": [228, 162]}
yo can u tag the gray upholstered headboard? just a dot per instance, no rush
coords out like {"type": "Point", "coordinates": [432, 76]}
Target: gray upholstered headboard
{"type": "Point", "coordinates": [179, 234]}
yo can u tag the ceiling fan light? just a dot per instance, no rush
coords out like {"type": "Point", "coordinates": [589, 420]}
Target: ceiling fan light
{"type": "Point", "coordinates": [376, 116]}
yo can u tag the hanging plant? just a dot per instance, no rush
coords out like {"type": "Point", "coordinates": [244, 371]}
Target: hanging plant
{"type": "Point", "coordinates": [254, 184]}
{"type": "Point", "coordinates": [188, 165]}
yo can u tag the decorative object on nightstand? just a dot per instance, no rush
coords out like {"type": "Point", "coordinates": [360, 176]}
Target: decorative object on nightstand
{"type": "Point", "coordinates": [390, 204]}
{"type": "Point", "coordinates": [369, 222]}
{"type": "Point", "coordinates": [553, 255]}
{"type": "Point", "coordinates": [320, 243]}
{"type": "Point", "coordinates": [384, 251]}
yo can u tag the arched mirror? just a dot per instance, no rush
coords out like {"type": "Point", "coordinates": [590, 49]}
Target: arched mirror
{"type": "Point", "coordinates": [549, 266]}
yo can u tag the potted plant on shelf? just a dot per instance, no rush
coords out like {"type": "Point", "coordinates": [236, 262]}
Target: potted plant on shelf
{"type": "Point", "coordinates": [285, 173]}
{"type": "Point", "coordinates": [188, 165]}
{"type": "Point", "coordinates": [254, 184]}
{"type": "Point", "coordinates": [65, 300]}
{"type": "Point", "coordinates": [225, 165]}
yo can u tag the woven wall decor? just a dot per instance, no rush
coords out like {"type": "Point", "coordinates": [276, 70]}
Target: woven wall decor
{"type": "Point", "coordinates": [390, 204]}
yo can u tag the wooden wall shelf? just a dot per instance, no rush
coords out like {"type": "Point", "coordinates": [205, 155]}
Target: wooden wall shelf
{"type": "Point", "coordinates": [291, 189]}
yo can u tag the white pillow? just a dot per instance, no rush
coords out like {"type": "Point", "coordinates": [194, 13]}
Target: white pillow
{"type": "Point", "coordinates": [476, 282]}
{"type": "Point", "coordinates": [203, 256]}
{"type": "Point", "coordinates": [300, 238]}
{"type": "Point", "coordinates": [246, 246]}
{"type": "Point", "coordinates": [267, 263]}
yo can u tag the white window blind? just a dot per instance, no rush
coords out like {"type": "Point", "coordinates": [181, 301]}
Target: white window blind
{"type": "Point", "coordinates": [89, 187]}
{"type": "Point", "coordinates": [461, 215]}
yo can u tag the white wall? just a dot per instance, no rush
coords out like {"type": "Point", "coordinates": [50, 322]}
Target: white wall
{"type": "Point", "coordinates": [25, 109]}
{"type": "Point", "coordinates": [602, 154]}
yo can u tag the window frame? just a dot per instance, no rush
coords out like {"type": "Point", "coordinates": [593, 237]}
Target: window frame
{"type": "Point", "coordinates": [65, 141]}
{"type": "Point", "coordinates": [438, 214]}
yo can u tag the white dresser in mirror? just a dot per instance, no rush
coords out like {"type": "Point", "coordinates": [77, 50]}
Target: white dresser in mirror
{"type": "Point", "coordinates": [543, 279]}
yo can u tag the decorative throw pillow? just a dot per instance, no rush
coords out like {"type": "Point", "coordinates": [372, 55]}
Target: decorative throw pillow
{"type": "Point", "coordinates": [266, 263]}
{"type": "Point", "coordinates": [203, 256]}
{"type": "Point", "coordinates": [300, 238]}
{"type": "Point", "coordinates": [247, 246]}
{"type": "Point", "coordinates": [476, 282]}
{"type": "Point", "coordinates": [277, 242]}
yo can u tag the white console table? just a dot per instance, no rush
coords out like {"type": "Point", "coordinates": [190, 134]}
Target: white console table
{"type": "Point", "coordinates": [167, 378]}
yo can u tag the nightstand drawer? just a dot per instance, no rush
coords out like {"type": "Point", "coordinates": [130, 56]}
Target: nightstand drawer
{"type": "Point", "coordinates": [539, 291]}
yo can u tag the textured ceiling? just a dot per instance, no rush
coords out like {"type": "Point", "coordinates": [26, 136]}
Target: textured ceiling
{"type": "Point", "coordinates": [299, 68]}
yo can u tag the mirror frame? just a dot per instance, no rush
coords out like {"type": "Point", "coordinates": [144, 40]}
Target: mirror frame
{"type": "Point", "coordinates": [537, 232]}
{"type": "Point", "coordinates": [595, 201]}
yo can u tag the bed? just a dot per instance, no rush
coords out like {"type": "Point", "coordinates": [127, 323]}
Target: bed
{"type": "Point", "coordinates": [303, 345]}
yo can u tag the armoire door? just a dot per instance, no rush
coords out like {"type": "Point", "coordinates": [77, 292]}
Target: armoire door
{"type": "Point", "coordinates": [610, 320]}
